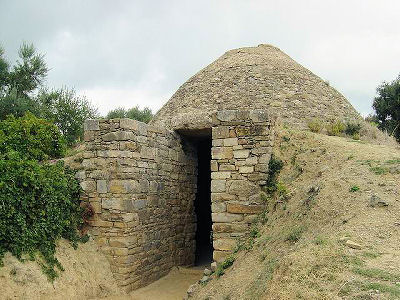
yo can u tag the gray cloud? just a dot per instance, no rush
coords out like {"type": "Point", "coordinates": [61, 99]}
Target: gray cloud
{"type": "Point", "coordinates": [139, 52]}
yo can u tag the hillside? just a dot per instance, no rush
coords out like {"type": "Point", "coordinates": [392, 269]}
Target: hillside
{"type": "Point", "coordinates": [87, 275]}
{"type": "Point", "coordinates": [334, 233]}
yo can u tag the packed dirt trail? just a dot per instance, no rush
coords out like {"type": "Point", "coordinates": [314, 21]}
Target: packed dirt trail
{"type": "Point", "coordinates": [170, 287]}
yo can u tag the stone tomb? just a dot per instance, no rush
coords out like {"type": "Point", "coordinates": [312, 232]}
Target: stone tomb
{"type": "Point", "coordinates": [143, 181]}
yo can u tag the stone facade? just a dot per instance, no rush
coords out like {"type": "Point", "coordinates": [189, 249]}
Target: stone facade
{"type": "Point", "coordinates": [242, 144]}
{"type": "Point", "coordinates": [141, 182]}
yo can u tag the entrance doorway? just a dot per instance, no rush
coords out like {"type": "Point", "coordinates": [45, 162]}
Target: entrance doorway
{"type": "Point", "coordinates": [202, 204]}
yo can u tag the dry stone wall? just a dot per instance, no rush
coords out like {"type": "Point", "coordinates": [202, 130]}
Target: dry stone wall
{"type": "Point", "coordinates": [242, 144]}
{"type": "Point", "coordinates": [141, 182]}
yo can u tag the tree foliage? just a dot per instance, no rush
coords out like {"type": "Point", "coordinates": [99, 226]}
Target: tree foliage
{"type": "Point", "coordinates": [67, 110]}
{"type": "Point", "coordinates": [135, 113]}
{"type": "Point", "coordinates": [21, 90]}
{"type": "Point", "coordinates": [387, 107]}
{"type": "Point", "coordinates": [31, 137]}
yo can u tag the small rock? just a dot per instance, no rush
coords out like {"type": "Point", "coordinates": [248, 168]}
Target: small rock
{"type": "Point", "coordinates": [376, 201]}
{"type": "Point", "coordinates": [353, 245]}
{"type": "Point", "coordinates": [204, 279]}
{"type": "Point", "coordinates": [191, 289]}
{"type": "Point", "coordinates": [214, 266]}
{"type": "Point", "coordinates": [207, 272]}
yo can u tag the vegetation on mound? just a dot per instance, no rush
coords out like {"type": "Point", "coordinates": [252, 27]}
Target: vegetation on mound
{"type": "Point", "coordinates": [39, 201]}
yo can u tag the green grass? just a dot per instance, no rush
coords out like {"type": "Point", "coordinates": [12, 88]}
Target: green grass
{"type": "Point", "coordinates": [383, 288]}
{"type": "Point", "coordinates": [354, 188]}
{"type": "Point", "coordinates": [379, 170]}
{"type": "Point", "coordinates": [371, 254]}
{"type": "Point", "coordinates": [295, 234]}
{"type": "Point", "coordinates": [224, 265]}
{"type": "Point", "coordinates": [377, 274]}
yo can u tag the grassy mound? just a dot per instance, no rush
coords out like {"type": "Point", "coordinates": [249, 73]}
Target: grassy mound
{"type": "Point", "coordinates": [332, 234]}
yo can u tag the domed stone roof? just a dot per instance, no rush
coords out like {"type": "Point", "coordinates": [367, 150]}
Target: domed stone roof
{"type": "Point", "coordinates": [260, 77]}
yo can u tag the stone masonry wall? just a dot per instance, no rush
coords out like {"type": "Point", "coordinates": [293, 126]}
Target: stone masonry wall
{"type": "Point", "coordinates": [141, 182]}
{"type": "Point", "coordinates": [242, 144]}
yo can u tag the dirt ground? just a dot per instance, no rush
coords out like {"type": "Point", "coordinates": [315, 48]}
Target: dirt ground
{"type": "Point", "coordinates": [171, 287]}
{"type": "Point", "coordinates": [87, 274]}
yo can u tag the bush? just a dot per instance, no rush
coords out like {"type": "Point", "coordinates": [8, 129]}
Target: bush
{"type": "Point", "coordinates": [352, 128]}
{"type": "Point", "coordinates": [135, 113]}
{"type": "Point", "coordinates": [225, 265]}
{"type": "Point", "coordinates": [315, 125]}
{"type": "Point", "coordinates": [275, 165]}
{"type": "Point", "coordinates": [335, 128]}
{"type": "Point", "coordinates": [39, 203]}
{"type": "Point", "coordinates": [31, 137]}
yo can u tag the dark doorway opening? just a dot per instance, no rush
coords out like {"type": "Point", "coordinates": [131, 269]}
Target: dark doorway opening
{"type": "Point", "coordinates": [202, 204]}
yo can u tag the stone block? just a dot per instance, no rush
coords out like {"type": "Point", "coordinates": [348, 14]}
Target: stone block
{"type": "Point", "coordinates": [231, 141]}
{"type": "Point", "coordinates": [91, 125]}
{"type": "Point", "coordinates": [128, 124]}
{"type": "Point", "coordinates": [224, 244]}
{"type": "Point", "coordinates": [218, 186]}
{"type": "Point", "coordinates": [226, 217]}
{"type": "Point", "coordinates": [214, 166]}
{"type": "Point", "coordinates": [217, 142]}
{"type": "Point", "coordinates": [217, 207]}
{"type": "Point", "coordinates": [219, 256]}
{"type": "Point", "coordinates": [222, 197]}
{"type": "Point", "coordinates": [118, 136]}
{"type": "Point", "coordinates": [124, 186]}
{"type": "Point", "coordinates": [88, 186]}
{"type": "Point", "coordinates": [241, 153]}
{"type": "Point", "coordinates": [220, 132]}
{"type": "Point", "coordinates": [226, 115]}
{"type": "Point", "coordinates": [229, 227]}
{"type": "Point", "coordinates": [242, 188]}
{"type": "Point", "coordinates": [246, 169]}
{"type": "Point", "coordinates": [220, 175]}
{"type": "Point", "coordinates": [236, 208]}
{"type": "Point", "coordinates": [227, 167]}
{"type": "Point", "coordinates": [259, 116]}
{"type": "Point", "coordinates": [114, 203]}
{"type": "Point", "coordinates": [222, 153]}
{"type": "Point", "coordinates": [102, 186]}
{"type": "Point", "coordinates": [128, 146]}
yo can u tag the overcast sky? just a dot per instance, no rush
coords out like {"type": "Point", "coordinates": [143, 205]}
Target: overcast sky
{"type": "Point", "coordinates": [127, 53]}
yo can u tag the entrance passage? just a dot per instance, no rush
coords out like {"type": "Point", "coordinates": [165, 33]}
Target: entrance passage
{"type": "Point", "coordinates": [202, 204]}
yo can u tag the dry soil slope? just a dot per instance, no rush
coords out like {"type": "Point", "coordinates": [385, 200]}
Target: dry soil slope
{"type": "Point", "coordinates": [87, 275]}
{"type": "Point", "coordinates": [301, 253]}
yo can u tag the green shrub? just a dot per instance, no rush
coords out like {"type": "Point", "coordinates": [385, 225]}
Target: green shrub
{"type": "Point", "coordinates": [225, 265]}
{"type": "Point", "coordinates": [354, 188]}
{"type": "Point", "coordinates": [275, 166]}
{"type": "Point", "coordinates": [31, 137]}
{"type": "Point", "coordinates": [352, 128]}
{"type": "Point", "coordinates": [135, 113]}
{"type": "Point", "coordinates": [295, 234]}
{"type": "Point", "coordinates": [315, 125]}
{"type": "Point", "coordinates": [335, 128]}
{"type": "Point", "coordinates": [39, 203]}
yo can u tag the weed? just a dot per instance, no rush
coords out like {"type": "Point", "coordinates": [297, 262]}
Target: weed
{"type": "Point", "coordinates": [224, 265]}
{"type": "Point", "coordinates": [295, 234]}
{"type": "Point", "coordinates": [255, 232]}
{"type": "Point", "coordinates": [282, 191]}
{"type": "Point", "coordinates": [312, 193]}
{"type": "Point", "coordinates": [319, 241]}
{"type": "Point", "coordinates": [350, 157]}
{"type": "Point", "coordinates": [371, 254]}
{"type": "Point", "coordinates": [379, 170]}
{"type": "Point", "coordinates": [352, 128]}
{"type": "Point", "coordinates": [384, 288]}
{"type": "Point", "coordinates": [354, 188]}
{"type": "Point", "coordinates": [335, 128]}
{"type": "Point", "coordinates": [315, 125]}
{"type": "Point", "coordinates": [377, 274]}
{"type": "Point", "coordinates": [275, 165]}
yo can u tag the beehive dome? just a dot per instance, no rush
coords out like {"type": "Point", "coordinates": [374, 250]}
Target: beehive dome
{"type": "Point", "coordinates": [261, 77]}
